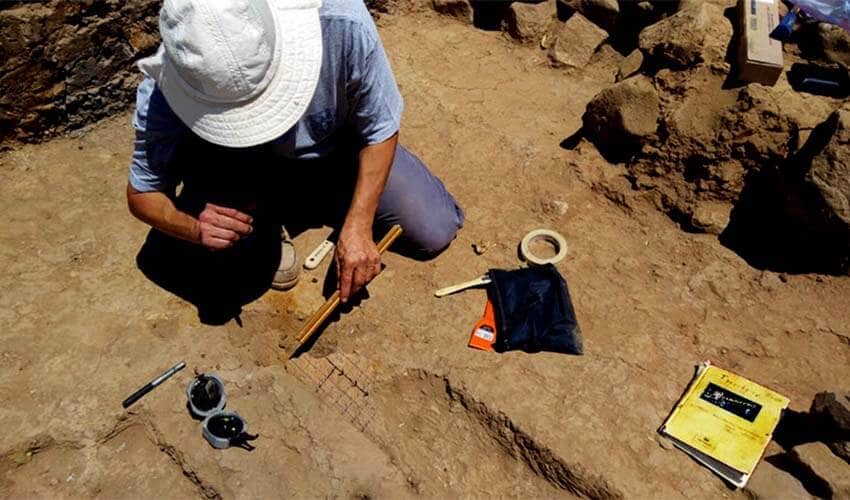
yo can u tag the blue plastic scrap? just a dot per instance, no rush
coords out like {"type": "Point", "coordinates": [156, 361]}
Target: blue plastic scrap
{"type": "Point", "coordinates": [835, 12]}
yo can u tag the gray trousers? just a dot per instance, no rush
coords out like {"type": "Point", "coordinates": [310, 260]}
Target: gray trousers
{"type": "Point", "coordinates": [296, 194]}
{"type": "Point", "coordinates": [416, 199]}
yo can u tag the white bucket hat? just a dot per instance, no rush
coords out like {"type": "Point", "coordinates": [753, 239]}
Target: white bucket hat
{"type": "Point", "coordinates": [238, 72]}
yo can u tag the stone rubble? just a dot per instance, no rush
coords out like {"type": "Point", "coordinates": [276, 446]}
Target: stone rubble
{"type": "Point", "coordinates": [575, 43]}
{"type": "Point", "coordinates": [833, 472]}
{"type": "Point", "coordinates": [630, 66]}
{"type": "Point", "coordinates": [603, 13]}
{"type": "Point", "coordinates": [527, 23]}
{"type": "Point", "coordinates": [833, 415]}
{"type": "Point", "coordinates": [460, 9]}
{"type": "Point", "coordinates": [678, 41]}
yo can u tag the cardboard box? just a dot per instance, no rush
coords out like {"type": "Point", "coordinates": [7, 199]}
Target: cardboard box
{"type": "Point", "coordinates": [760, 57]}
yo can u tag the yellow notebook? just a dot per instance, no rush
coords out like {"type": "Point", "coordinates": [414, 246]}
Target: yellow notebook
{"type": "Point", "coordinates": [725, 422]}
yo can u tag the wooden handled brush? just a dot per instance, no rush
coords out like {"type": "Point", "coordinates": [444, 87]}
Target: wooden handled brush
{"type": "Point", "coordinates": [330, 305]}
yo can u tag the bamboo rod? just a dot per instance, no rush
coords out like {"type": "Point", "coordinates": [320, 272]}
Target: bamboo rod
{"type": "Point", "coordinates": [330, 305]}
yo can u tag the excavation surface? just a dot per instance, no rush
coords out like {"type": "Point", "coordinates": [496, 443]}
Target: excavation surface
{"type": "Point", "coordinates": [390, 401]}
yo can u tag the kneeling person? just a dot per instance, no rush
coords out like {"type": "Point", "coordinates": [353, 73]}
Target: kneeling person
{"type": "Point", "coordinates": [245, 96]}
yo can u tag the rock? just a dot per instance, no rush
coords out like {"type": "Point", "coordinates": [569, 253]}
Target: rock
{"type": "Point", "coordinates": [527, 23]}
{"type": "Point", "coordinates": [460, 9]}
{"type": "Point", "coordinates": [834, 472]}
{"type": "Point", "coordinates": [603, 13]}
{"type": "Point", "coordinates": [605, 61]}
{"type": "Point", "coordinates": [620, 118]}
{"type": "Point", "coordinates": [575, 43]}
{"type": "Point", "coordinates": [711, 217]}
{"type": "Point", "coordinates": [678, 40]}
{"type": "Point", "coordinates": [554, 207]}
{"type": "Point", "coordinates": [378, 6]}
{"type": "Point", "coordinates": [835, 43]}
{"type": "Point", "coordinates": [635, 16]}
{"type": "Point", "coordinates": [142, 41]}
{"type": "Point", "coordinates": [769, 482]}
{"type": "Point", "coordinates": [630, 66]}
{"type": "Point", "coordinates": [560, 207]}
{"type": "Point", "coordinates": [825, 41]}
{"type": "Point", "coordinates": [841, 450]}
{"type": "Point", "coordinates": [820, 193]}
{"type": "Point", "coordinates": [834, 410]}
{"type": "Point", "coordinates": [717, 138]}
{"type": "Point", "coordinates": [66, 64]}
{"type": "Point", "coordinates": [480, 247]}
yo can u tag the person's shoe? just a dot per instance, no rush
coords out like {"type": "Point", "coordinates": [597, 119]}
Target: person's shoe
{"type": "Point", "coordinates": [286, 275]}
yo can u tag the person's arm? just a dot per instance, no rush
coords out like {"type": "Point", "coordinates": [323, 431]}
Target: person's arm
{"type": "Point", "coordinates": [215, 228]}
{"type": "Point", "coordinates": [158, 131]}
{"type": "Point", "coordinates": [375, 109]}
{"type": "Point", "coordinates": [357, 257]}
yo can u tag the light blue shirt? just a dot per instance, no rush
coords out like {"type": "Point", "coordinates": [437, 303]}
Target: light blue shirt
{"type": "Point", "coordinates": [356, 90]}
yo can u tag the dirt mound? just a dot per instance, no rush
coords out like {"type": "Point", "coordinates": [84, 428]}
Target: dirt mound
{"type": "Point", "coordinates": [623, 116]}
{"type": "Point", "coordinates": [713, 139]}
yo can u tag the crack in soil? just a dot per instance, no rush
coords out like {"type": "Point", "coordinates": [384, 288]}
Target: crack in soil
{"type": "Point", "coordinates": [22, 454]}
{"type": "Point", "coordinates": [521, 446]}
{"type": "Point", "coordinates": [206, 489]}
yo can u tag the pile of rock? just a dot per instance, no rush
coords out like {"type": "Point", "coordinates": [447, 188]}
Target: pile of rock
{"type": "Point", "coordinates": [817, 449]}
{"type": "Point", "coordinates": [694, 140]}
{"type": "Point", "coordinates": [832, 413]}
{"type": "Point", "coordinates": [66, 64]}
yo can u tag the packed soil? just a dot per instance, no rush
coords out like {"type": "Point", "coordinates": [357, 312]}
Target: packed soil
{"type": "Point", "coordinates": [389, 401]}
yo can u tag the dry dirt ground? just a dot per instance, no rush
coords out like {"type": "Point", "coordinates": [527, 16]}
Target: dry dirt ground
{"type": "Point", "coordinates": [409, 409]}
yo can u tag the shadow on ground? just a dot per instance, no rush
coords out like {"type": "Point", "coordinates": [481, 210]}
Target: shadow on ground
{"type": "Point", "coordinates": [217, 283]}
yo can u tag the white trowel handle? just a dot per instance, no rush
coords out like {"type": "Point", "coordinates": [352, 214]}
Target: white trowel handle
{"type": "Point", "coordinates": [442, 292]}
{"type": "Point", "coordinates": [318, 255]}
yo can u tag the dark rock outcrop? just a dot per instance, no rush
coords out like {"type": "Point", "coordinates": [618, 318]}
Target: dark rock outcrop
{"type": "Point", "coordinates": [66, 64]}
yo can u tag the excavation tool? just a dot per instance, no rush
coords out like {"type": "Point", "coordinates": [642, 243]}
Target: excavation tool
{"type": "Point", "coordinates": [152, 384]}
{"type": "Point", "coordinates": [482, 280]}
{"type": "Point", "coordinates": [558, 242]}
{"type": "Point", "coordinates": [318, 255]}
{"type": "Point", "coordinates": [330, 305]}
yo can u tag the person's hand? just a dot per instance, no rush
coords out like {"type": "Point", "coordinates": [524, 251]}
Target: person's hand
{"type": "Point", "coordinates": [357, 261]}
{"type": "Point", "coordinates": [221, 227]}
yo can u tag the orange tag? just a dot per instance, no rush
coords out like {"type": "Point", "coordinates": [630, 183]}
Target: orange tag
{"type": "Point", "coordinates": [484, 333]}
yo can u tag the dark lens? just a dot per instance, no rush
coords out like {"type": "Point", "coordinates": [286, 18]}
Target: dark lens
{"type": "Point", "coordinates": [206, 393]}
{"type": "Point", "coordinates": [225, 426]}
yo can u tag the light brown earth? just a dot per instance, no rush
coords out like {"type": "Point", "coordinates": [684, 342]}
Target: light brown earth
{"type": "Point", "coordinates": [81, 328]}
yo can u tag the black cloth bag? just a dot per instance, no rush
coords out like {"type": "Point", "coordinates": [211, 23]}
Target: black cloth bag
{"type": "Point", "coordinates": [533, 311]}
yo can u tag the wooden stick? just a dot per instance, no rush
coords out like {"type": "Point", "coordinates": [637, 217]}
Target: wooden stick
{"type": "Point", "coordinates": [481, 280]}
{"type": "Point", "coordinates": [330, 305]}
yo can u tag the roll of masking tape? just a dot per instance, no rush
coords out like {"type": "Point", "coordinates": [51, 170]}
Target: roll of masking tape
{"type": "Point", "coordinates": [552, 237]}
